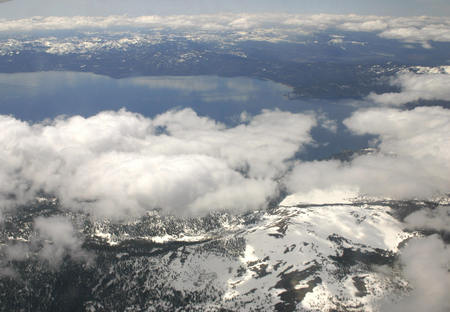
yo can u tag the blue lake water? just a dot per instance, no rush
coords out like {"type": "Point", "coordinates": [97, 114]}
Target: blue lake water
{"type": "Point", "coordinates": [37, 96]}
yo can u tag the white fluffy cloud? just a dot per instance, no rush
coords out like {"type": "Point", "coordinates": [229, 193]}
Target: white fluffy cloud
{"type": "Point", "coordinates": [275, 26]}
{"type": "Point", "coordinates": [420, 133]}
{"type": "Point", "coordinates": [117, 164]}
{"type": "Point", "coordinates": [413, 159]}
{"type": "Point", "coordinates": [429, 85]}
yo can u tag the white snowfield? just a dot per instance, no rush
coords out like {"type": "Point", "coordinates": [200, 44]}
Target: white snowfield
{"type": "Point", "coordinates": [297, 240]}
{"type": "Point", "coordinates": [321, 197]}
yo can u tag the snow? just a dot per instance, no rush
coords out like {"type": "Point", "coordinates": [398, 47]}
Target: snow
{"type": "Point", "coordinates": [320, 197]}
{"type": "Point", "coordinates": [171, 238]}
{"type": "Point", "coordinates": [305, 244]}
{"type": "Point", "coordinates": [106, 236]}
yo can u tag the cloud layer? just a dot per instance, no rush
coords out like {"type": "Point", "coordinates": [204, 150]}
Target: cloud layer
{"type": "Point", "coordinates": [275, 26]}
{"type": "Point", "coordinates": [117, 164]}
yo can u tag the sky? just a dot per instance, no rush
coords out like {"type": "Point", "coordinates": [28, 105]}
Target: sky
{"type": "Point", "coordinates": [26, 8]}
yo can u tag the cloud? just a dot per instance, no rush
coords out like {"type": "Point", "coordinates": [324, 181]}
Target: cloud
{"type": "Point", "coordinates": [119, 164]}
{"type": "Point", "coordinates": [420, 34]}
{"type": "Point", "coordinates": [425, 264]}
{"type": "Point", "coordinates": [413, 160]}
{"type": "Point", "coordinates": [423, 86]}
{"type": "Point", "coordinates": [276, 26]}
{"type": "Point", "coordinates": [430, 219]}
{"type": "Point", "coordinates": [59, 239]}
{"type": "Point", "coordinates": [420, 133]}
{"type": "Point", "coordinates": [17, 252]}
{"type": "Point", "coordinates": [7, 271]}
{"type": "Point", "coordinates": [369, 26]}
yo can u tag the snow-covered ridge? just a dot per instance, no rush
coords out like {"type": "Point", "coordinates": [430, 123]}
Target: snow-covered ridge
{"type": "Point", "coordinates": [445, 69]}
{"type": "Point", "coordinates": [305, 242]}
{"type": "Point", "coordinates": [76, 44]}
{"type": "Point", "coordinates": [88, 43]}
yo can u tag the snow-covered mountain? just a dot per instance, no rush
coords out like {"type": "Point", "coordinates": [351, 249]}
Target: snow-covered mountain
{"type": "Point", "coordinates": [336, 254]}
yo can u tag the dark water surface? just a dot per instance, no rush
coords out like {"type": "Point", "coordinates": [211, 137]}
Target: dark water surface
{"type": "Point", "coordinates": [37, 96]}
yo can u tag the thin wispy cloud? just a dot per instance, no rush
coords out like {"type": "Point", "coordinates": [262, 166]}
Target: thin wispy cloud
{"type": "Point", "coordinates": [425, 266]}
{"type": "Point", "coordinates": [55, 238]}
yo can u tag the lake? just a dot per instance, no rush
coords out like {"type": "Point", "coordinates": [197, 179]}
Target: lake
{"type": "Point", "coordinates": [37, 96]}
